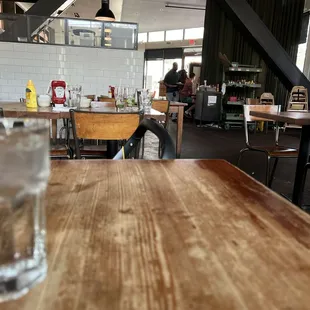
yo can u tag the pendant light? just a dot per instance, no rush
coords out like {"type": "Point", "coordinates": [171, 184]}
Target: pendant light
{"type": "Point", "coordinates": [105, 14]}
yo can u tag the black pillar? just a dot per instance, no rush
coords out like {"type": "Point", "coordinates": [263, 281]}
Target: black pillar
{"type": "Point", "coordinates": [283, 19]}
{"type": "Point", "coordinates": [9, 8]}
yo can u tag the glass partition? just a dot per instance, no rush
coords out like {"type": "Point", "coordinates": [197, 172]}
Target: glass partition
{"type": "Point", "coordinates": [68, 31]}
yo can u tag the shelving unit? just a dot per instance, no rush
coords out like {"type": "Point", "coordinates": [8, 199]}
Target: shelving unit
{"type": "Point", "coordinates": [241, 82]}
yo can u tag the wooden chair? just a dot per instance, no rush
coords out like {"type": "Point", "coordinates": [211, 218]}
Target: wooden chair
{"type": "Point", "coordinates": [298, 100]}
{"type": "Point", "coordinates": [166, 142]}
{"type": "Point", "coordinates": [103, 99]}
{"type": "Point", "coordinates": [267, 99]}
{"type": "Point", "coordinates": [62, 149]}
{"type": "Point", "coordinates": [274, 151]}
{"type": "Point", "coordinates": [163, 107]}
{"type": "Point", "coordinates": [251, 101]}
{"type": "Point", "coordinates": [91, 97]}
{"type": "Point", "coordinates": [101, 126]}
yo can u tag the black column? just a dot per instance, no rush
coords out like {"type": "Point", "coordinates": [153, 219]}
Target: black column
{"type": "Point", "coordinates": [282, 18]}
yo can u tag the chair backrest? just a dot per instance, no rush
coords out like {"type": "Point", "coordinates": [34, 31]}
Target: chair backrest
{"type": "Point", "coordinates": [251, 101]}
{"type": "Point", "coordinates": [161, 106]}
{"type": "Point", "coordinates": [103, 126]}
{"type": "Point", "coordinates": [92, 97]}
{"type": "Point", "coordinates": [267, 98]}
{"type": "Point", "coordinates": [1, 112]}
{"type": "Point", "coordinates": [249, 118]}
{"type": "Point", "coordinates": [298, 99]}
{"type": "Point", "coordinates": [110, 100]}
{"type": "Point", "coordinates": [166, 142]}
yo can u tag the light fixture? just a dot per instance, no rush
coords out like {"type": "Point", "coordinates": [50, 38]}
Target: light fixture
{"type": "Point", "coordinates": [105, 14]}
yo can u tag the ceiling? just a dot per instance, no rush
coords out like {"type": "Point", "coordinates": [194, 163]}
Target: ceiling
{"type": "Point", "coordinates": [88, 8]}
{"type": "Point", "coordinates": [151, 15]}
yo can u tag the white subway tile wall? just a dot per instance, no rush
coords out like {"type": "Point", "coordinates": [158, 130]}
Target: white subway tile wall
{"type": "Point", "coordinates": [94, 69]}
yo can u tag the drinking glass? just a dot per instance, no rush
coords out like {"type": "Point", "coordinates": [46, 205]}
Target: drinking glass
{"type": "Point", "coordinates": [74, 95]}
{"type": "Point", "coordinates": [24, 172]}
{"type": "Point", "coordinates": [119, 98]}
{"type": "Point", "coordinates": [146, 100]}
{"type": "Point", "coordinates": [131, 92]}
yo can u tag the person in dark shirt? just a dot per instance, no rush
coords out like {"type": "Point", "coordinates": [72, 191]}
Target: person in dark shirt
{"type": "Point", "coordinates": [171, 81]}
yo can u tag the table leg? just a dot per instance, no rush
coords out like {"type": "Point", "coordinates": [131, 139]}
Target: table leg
{"type": "Point", "coordinates": [112, 148]}
{"type": "Point", "coordinates": [54, 130]}
{"type": "Point", "coordinates": [179, 131]}
{"type": "Point", "coordinates": [303, 157]}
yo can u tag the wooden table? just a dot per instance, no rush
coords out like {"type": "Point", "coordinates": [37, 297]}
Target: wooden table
{"type": "Point", "coordinates": [178, 108]}
{"type": "Point", "coordinates": [19, 110]}
{"type": "Point", "coordinates": [182, 234]}
{"type": "Point", "coordinates": [300, 119]}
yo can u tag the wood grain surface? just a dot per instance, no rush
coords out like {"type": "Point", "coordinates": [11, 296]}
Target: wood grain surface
{"type": "Point", "coordinates": [103, 126]}
{"type": "Point", "coordinates": [187, 234]}
{"type": "Point", "coordinates": [259, 108]}
{"type": "Point", "coordinates": [19, 110]}
{"type": "Point", "coordinates": [296, 118]}
{"type": "Point", "coordinates": [161, 105]}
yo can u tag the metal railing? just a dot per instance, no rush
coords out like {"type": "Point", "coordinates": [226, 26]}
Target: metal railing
{"type": "Point", "coordinates": [68, 31]}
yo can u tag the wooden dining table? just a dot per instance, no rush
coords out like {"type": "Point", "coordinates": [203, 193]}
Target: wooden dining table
{"type": "Point", "coordinates": [19, 110]}
{"type": "Point", "coordinates": [180, 234]}
{"type": "Point", "coordinates": [301, 119]}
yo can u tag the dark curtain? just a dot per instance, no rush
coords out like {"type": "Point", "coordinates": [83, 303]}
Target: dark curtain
{"type": "Point", "coordinates": [282, 17]}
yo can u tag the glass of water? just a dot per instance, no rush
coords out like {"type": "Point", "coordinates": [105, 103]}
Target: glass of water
{"type": "Point", "coordinates": [24, 172]}
{"type": "Point", "coordinates": [119, 94]}
{"type": "Point", "coordinates": [74, 95]}
{"type": "Point", "coordinates": [146, 100]}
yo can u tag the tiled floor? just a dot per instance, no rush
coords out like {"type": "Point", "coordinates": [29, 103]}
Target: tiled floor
{"type": "Point", "coordinates": [216, 143]}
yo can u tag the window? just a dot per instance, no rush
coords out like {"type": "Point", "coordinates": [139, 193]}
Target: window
{"type": "Point", "coordinates": [168, 64]}
{"type": "Point", "coordinates": [142, 37]}
{"type": "Point", "coordinates": [194, 33]}
{"type": "Point", "coordinates": [154, 74]}
{"type": "Point", "coordinates": [173, 35]}
{"type": "Point", "coordinates": [302, 48]}
{"type": "Point", "coordinates": [156, 36]}
{"type": "Point", "coordinates": [301, 56]}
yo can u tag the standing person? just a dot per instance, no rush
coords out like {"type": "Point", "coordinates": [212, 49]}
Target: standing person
{"type": "Point", "coordinates": [187, 90]}
{"type": "Point", "coordinates": [171, 82]}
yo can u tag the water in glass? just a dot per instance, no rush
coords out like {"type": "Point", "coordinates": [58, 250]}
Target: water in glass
{"type": "Point", "coordinates": [146, 100]}
{"type": "Point", "coordinates": [24, 172]}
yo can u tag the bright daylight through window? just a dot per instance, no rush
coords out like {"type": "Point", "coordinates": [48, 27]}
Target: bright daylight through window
{"type": "Point", "coordinates": [194, 33]}
{"type": "Point", "coordinates": [156, 36]}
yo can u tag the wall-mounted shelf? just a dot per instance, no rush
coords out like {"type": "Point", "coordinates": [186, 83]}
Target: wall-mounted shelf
{"type": "Point", "coordinates": [245, 69]}
{"type": "Point", "coordinates": [245, 85]}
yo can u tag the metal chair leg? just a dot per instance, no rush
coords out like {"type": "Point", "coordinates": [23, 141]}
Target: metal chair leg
{"type": "Point", "coordinates": [159, 150]}
{"type": "Point", "coordinates": [240, 156]}
{"type": "Point", "coordinates": [273, 172]}
{"type": "Point", "coordinates": [267, 170]}
{"type": "Point", "coordinates": [142, 146]}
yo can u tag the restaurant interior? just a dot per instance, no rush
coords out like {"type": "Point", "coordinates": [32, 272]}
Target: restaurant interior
{"type": "Point", "coordinates": [154, 154]}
